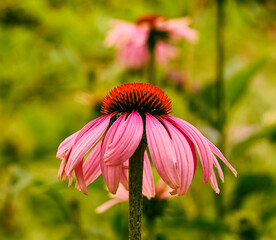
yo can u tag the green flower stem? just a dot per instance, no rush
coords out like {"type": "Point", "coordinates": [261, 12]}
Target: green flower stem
{"type": "Point", "coordinates": [151, 68]}
{"type": "Point", "coordinates": [220, 93]}
{"type": "Point", "coordinates": [220, 88]}
{"type": "Point", "coordinates": [135, 192]}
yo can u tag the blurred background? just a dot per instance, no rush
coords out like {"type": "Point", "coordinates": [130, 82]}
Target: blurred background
{"type": "Point", "coordinates": [54, 73]}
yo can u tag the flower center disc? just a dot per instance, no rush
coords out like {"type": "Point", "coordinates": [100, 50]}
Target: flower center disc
{"type": "Point", "coordinates": [140, 97]}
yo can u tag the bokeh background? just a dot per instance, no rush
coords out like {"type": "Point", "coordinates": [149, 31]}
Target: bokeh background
{"type": "Point", "coordinates": [54, 73]}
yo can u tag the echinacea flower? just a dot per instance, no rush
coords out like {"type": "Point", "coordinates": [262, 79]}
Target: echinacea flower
{"type": "Point", "coordinates": [122, 195]}
{"type": "Point", "coordinates": [133, 113]}
{"type": "Point", "coordinates": [150, 34]}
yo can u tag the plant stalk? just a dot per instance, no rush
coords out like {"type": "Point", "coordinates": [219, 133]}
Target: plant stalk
{"type": "Point", "coordinates": [220, 91]}
{"type": "Point", "coordinates": [151, 68]}
{"type": "Point", "coordinates": [220, 88]}
{"type": "Point", "coordinates": [135, 192]}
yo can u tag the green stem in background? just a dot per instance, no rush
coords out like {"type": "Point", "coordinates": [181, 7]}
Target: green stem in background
{"type": "Point", "coordinates": [76, 219]}
{"type": "Point", "coordinates": [220, 90]}
{"type": "Point", "coordinates": [151, 68]}
{"type": "Point", "coordinates": [135, 192]}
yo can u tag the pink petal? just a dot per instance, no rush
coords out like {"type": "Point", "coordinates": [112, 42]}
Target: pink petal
{"type": "Point", "coordinates": [215, 150]}
{"type": "Point", "coordinates": [121, 196]}
{"type": "Point", "coordinates": [199, 141]}
{"type": "Point", "coordinates": [105, 206]}
{"type": "Point", "coordinates": [163, 191]}
{"type": "Point", "coordinates": [66, 144]}
{"type": "Point", "coordinates": [80, 179]}
{"type": "Point", "coordinates": [192, 147]}
{"type": "Point", "coordinates": [122, 139]}
{"type": "Point", "coordinates": [179, 28]}
{"type": "Point", "coordinates": [220, 172]}
{"type": "Point", "coordinates": [164, 52]}
{"type": "Point", "coordinates": [214, 183]}
{"type": "Point", "coordinates": [87, 141]}
{"type": "Point", "coordinates": [184, 156]}
{"type": "Point", "coordinates": [92, 166]}
{"type": "Point", "coordinates": [61, 170]}
{"type": "Point", "coordinates": [61, 173]}
{"type": "Point", "coordinates": [124, 33]}
{"type": "Point", "coordinates": [134, 57]}
{"type": "Point", "coordinates": [124, 175]}
{"type": "Point", "coordinates": [71, 178]}
{"type": "Point", "coordinates": [111, 175]}
{"type": "Point", "coordinates": [148, 183]}
{"type": "Point", "coordinates": [161, 151]}
{"type": "Point", "coordinates": [72, 139]}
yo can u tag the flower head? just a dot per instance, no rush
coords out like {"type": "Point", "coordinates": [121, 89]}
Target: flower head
{"type": "Point", "coordinates": [133, 113]}
{"type": "Point", "coordinates": [156, 34]}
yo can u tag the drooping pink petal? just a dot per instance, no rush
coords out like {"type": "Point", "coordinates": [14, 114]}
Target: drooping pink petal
{"type": "Point", "coordinates": [179, 28]}
{"type": "Point", "coordinates": [131, 43]}
{"type": "Point", "coordinates": [215, 150]}
{"type": "Point", "coordinates": [61, 173]}
{"type": "Point", "coordinates": [71, 178]}
{"type": "Point", "coordinates": [192, 147]}
{"type": "Point", "coordinates": [66, 144]}
{"type": "Point", "coordinates": [134, 57]}
{"type": "Point", "coordinates": [69, 142]}
{"type": "Point", "coordinates": [164, 52]}
{"type": "Point", "coordinates": [121, 196]}
{"type": "Point", "coordinates": [214, 183]}
{"type": "Point", "coordinates": [162, 191]}
{"type": "Point", "coordinates": [91, 125]}
{"type": "Point", "coordinates": [92, 166]}
{"type": "Point", "coordinates": [105, 206]}
{"type": "Point", "coordinates": [184, 156]}
{"type": "Point", "coordinates": [61, 170]}
{"type": "Point", "coordinates": [218, 167]}
{"type": "Point", "coordinates": [87, 141]}
{"type": "Point", "coordinates": [148, 183]}
{"type": "Point", "coordinates": [122, 140]}
{"type": "Point", "coordinates": [111, 175]}
{"type": "Point", "coordinates": [199, 141]}
{"type": "Point", "coordinates": [124, 175]}
{"type": "Point", "coordinates": [116, 127]}
{"type": "Point", "coordinates": [80, 178]}
{"type": "Point", "coordinates": [124, 33]}
{"type": "Point", "coordinates": [161, 151]}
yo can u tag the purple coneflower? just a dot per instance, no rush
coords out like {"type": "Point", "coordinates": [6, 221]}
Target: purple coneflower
{"type": "Point", "coordinates": [156, 35]}
{"type": "Point", "coordinates": [134, 113]}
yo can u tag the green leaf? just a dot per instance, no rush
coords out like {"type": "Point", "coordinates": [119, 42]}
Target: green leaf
{"type": "Point", "coordinates": [237, 85]}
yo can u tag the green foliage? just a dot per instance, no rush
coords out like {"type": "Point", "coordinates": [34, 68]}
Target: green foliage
{"type": "Point", "coordinates": [54, 73]}
{"type": "Point", "coordinates": [268, 132]}
{"type": "Point", "coordinates": [237, 85]}
{"type": "Point", "coordinates": [251, 184]}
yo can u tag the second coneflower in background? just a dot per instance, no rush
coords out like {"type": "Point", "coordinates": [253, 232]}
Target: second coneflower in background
{"type": "Point", "coordinates": [149, 36]}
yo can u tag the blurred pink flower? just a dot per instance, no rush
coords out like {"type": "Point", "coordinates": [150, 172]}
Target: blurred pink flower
{"type": "Point", "coordinates": [133, 113]}
{"type": "Point", "coordinates": [134, 41]}
{"type": "Point", "coordinates": [162, 192]}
